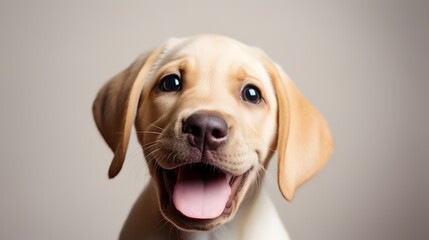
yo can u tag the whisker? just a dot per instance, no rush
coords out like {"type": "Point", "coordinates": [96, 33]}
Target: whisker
{"type": "Point", "coordinates": [168, 157]}
{"type": "Point", "coordinates": [153, 152]}
{"type": "Point", "coordinates": [269, 177]}
{"type": "Point", "coordinates": [148, 132]}
{"type": "Point", "coordinates": [149, 144]}
{"type": "Point", "coordinates": [158, 127]}
{"type": "Point", "coordinates": [154, 125]}
{"type": "Point", "coordinates": [257, 144]}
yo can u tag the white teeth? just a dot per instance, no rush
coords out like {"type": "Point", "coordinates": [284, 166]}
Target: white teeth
{"type": "Point", "coordinates": [228, 177]}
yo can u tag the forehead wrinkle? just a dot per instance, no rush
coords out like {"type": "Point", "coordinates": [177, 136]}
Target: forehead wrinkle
{"type": "Point", "coordinates": [205, 69]}
{"type": "Point", "coordinates": [242, 73]}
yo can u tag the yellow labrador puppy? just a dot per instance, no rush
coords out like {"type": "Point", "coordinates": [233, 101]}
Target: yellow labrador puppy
{"type": "Point", "coordinates": [210, 112]}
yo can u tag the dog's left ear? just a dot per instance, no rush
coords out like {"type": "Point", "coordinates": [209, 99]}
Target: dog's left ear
{"type": "Point", "coordinates": [304, 142]}
{"type": "Point", "coordinates": [115, 107]}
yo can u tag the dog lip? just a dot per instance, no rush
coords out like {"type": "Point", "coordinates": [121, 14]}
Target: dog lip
{"type": "Point", "coordinates": [236, 182]}
{"type": "Point", "coordinates": [168, 179]}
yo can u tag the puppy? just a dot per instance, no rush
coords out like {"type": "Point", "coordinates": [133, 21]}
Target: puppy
{"type": "Point", "coordinates": [209, 113]}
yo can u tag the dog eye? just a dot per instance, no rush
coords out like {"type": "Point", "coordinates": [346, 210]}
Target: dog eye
{"type": "Point", "coordinates": [171, 83]}
{"type": "Point", "coordinates": [251, 94]}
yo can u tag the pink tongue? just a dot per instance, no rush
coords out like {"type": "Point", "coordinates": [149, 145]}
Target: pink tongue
{"type": "Point", "coordinates": [197, 195]}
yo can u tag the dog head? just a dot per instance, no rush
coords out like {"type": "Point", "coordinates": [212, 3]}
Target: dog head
{"type": "Point", "coordinates": [209, 114]}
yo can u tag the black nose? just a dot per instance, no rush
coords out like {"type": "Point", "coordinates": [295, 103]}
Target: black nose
{"type": "Point", "coordinates": [205, 131]}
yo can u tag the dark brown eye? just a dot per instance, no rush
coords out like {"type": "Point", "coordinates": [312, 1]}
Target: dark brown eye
{"type": "Point", "coordinates": [171, 83]}
{"type": "Point", "coordinates": [252, 94]}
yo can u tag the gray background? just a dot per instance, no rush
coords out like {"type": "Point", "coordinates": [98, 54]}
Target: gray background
{"type": "Point", "coordinates": [364, 64]}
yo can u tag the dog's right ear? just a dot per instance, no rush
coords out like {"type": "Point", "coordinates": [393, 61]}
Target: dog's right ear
{"type": "Point", "coordinates": [115, 107]}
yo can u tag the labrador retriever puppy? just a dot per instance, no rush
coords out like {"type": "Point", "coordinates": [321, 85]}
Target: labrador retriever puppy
{"type": "Point", "coordinates": [210, 112]}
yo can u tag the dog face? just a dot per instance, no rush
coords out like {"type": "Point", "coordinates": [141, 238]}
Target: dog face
{"type": "Point", "coordinates": [207, 122]}
{"type": "Point", "coordinates": [209, 113]}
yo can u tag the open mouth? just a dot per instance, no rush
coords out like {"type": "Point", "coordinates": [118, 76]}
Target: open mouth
{"type": "Point", "coordinates": [201, 191]}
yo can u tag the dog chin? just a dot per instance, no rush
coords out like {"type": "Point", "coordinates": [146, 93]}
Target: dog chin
{"type": "Point", "coordinates": [185, 219]}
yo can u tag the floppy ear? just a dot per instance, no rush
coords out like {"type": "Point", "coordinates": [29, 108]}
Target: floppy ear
{"type": "Point", "coordinates": [304, 141]}
{"type": "Point", "coordinates": [115, 107]}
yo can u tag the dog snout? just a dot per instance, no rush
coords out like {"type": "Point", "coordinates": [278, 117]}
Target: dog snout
{"type": "Point", "coordinates": [205, 131]}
